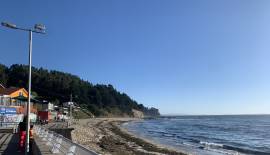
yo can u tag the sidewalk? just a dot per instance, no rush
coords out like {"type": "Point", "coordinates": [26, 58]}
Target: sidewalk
{"type": "Point", "coordinates": [40, 147]}
{"type": "Point", "coordinates": [9, 144]}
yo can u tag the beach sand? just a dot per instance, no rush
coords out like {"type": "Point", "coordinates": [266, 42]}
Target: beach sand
{"type": "Point", "coordinates": [105, 136]}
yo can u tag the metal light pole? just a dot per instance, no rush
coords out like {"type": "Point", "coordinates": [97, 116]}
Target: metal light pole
{"type": "Point", "coordinates": [39, 28]}
{"type": "Point", "coordinates": [29, 93]}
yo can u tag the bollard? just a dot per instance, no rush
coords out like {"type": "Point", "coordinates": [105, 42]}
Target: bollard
{"type": "Point", "coordinates": [14, 130]}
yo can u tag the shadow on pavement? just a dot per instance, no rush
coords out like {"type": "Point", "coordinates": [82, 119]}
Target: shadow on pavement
{"type": "Point", "coordinates": [12, 146]}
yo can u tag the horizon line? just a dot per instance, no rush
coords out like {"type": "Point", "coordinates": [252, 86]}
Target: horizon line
{"type": "Point", "coordinates": [208, 114]}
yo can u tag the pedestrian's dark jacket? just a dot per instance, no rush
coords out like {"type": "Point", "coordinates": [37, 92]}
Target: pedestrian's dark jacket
{"type": "Point", "coordinates": [22, 126]}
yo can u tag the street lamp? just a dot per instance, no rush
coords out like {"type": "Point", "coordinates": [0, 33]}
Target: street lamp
{"type": "Point", "coordinates": [39, 28]}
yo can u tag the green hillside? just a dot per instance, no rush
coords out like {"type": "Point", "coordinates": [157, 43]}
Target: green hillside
{"type": "Point", "coordinates": [55, 86]}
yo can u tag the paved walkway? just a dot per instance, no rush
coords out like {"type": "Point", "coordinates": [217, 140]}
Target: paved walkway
{"type": "Point", "coordinates": [9, 144]}
{"type": "Point", "coordinates": [40, 148]}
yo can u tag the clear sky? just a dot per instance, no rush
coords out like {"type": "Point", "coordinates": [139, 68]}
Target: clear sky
{"type": "Point", "coordinates": [181, 56]}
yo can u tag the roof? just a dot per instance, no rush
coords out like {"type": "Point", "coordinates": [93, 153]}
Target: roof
{"type": "Point", "coordinates": [22, 98]}
{"type": "Point", "coordinates": [8, 91]}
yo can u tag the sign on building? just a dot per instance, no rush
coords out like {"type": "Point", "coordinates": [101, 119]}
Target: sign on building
{"type": "Point", "coordinates": [6, 110]}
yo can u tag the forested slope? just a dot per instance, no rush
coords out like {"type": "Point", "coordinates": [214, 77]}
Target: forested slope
{"type": "Point", "coordinates": [55, 86]}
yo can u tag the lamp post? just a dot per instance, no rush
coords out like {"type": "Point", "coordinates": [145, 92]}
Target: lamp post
{"type": "Point", "coordinates": [39, 28]}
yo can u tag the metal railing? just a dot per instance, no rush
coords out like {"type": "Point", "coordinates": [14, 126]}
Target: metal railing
{"type": "Point", "coordinates": [61, 145]}
{"type": "Point", "coordinates": [8, 124]}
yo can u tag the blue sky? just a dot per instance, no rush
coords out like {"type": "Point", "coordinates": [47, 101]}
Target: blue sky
{"type": "Point", "coordinates": [181, 56]}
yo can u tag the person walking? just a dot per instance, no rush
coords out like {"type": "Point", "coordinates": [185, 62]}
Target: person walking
{"type": "Point", "coordinates": [22, 134]}
{"type": "Point", "coordinates": [31, 138]}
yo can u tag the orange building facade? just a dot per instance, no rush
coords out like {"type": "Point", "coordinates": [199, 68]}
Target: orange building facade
{"type": "Point", "coordinates": [9, 97]}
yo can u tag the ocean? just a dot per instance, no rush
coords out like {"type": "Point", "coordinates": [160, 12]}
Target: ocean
{"type": "Point", "coordinates": [208, 135]}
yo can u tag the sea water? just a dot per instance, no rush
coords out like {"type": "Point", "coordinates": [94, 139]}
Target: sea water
{"type": "Point", "coordinates": [235, 134]}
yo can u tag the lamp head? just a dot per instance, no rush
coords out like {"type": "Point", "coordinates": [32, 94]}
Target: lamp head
{"type": "Point", "coordinates": [9, 25]}
{"type": "Point", "coordinates": [40, 27]}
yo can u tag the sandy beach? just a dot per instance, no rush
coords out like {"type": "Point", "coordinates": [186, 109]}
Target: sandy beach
{"type": "Point", "coordinates": [105, 136]}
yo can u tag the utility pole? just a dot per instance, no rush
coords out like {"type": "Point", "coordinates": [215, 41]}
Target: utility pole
{"type": "Point", "coordinates": [70, 107]}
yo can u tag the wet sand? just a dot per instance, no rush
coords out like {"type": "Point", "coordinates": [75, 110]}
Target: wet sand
{"type": "Point", "coordinates": [105, 136]}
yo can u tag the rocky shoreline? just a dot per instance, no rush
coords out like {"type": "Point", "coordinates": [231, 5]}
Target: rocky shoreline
{"type": "Point", "coordinates": [105, 136]}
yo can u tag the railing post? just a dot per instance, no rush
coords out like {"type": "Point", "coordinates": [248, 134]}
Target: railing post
{"type": "Point", "coordinates": [45, 136]}
{"type": "Point", "coordinates": [49, 140]}
{"type": "Point", "coordinates": [57, 145]}
{"type": "Point", "coordinates": [71, 150]}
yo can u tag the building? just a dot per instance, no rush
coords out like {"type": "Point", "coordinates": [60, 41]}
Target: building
{"type": "Point", "coordinates": [16, 98]}
{"type": "Point", "coordinates": [12, 109]}
{"type": "Point", "coordinates": [45, 106]}
{"type": "Point", "coordinates": [68, 104]}
{"type": "Point", "coordinates": [8, 95]}
{"type": "Point", "coordinates": [14, 92]}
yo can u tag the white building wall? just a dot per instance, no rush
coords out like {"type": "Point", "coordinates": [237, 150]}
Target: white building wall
{"type": "Point", "coordinates": [5, 100]}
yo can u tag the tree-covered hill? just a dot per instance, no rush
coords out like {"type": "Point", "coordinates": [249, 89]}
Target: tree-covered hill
{"type": "Point", "coordinates": [55, 86]}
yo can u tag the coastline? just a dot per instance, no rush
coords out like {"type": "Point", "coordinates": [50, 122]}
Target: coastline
{"type": "Point", "coordinates": [106, 136]}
